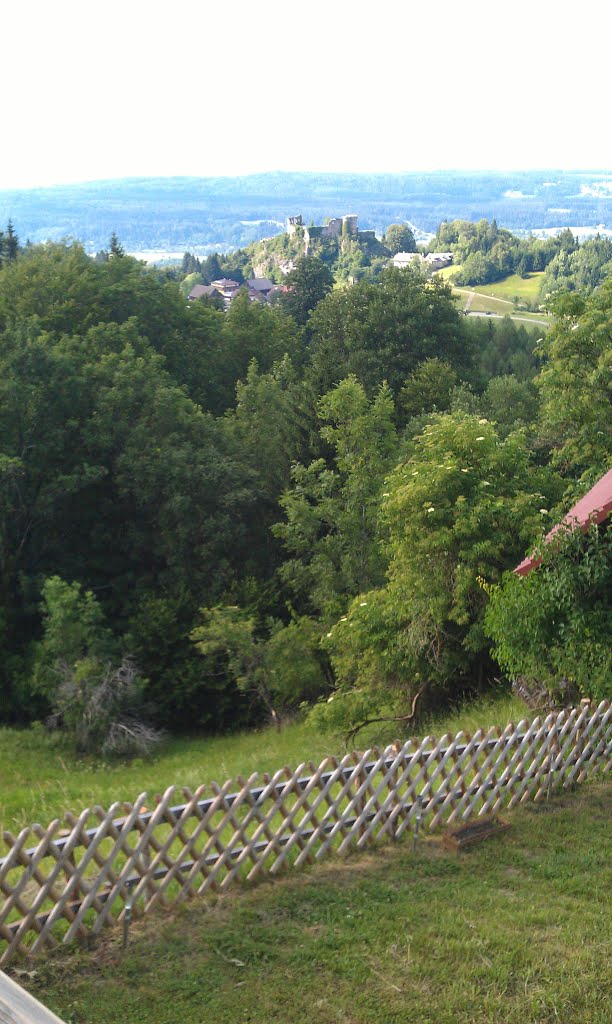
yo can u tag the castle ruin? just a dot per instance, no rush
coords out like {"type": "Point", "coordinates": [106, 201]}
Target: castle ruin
{"type": "Point", "coordinates": [336, 227]}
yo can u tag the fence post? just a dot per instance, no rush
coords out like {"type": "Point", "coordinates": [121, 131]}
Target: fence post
{"type": "Point", "coordinates": [127, 917]}
{"type": "Point", "coordinates": [418, 817]}
{"type": "Point", "coordinates": [581, 738]}
{"type": "Point", "coordinates": [360, 802]}
{"type": "Point", "coordinates": [394, 778]}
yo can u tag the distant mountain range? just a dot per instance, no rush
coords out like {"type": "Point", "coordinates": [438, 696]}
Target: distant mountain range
{"type": "Point", "coordinates": [173, 215]}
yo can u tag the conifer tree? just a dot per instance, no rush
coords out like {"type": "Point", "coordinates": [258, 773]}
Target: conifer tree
{"type": "Point", "coordinates": [11, 243]}
{"type": "Point", "coordinates": [115, 246]}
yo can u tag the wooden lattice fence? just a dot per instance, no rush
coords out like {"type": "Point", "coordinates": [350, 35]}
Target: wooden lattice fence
{"type": "Point", "coordinates": [71, 879]}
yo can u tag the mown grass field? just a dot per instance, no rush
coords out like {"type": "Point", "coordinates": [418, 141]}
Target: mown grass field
{"type": "Point", "coordinates": [499, 298]}
{"type": "Point", "coordinates": [478, 302]}
{"type": "Point", "coordinates": [447, 272]}
{"type": "Point", "coordinates": [483, 303]}
{"type": "Point", "coordinates": [516, 930]}
{"type": "Point", "coordinates": [42, 778]}
{"type": "Point", "coordinates": [526, 289]}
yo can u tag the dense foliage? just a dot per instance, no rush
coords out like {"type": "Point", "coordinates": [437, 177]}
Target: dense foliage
{"type": "Point", "coordinates": [382, 331]}
{"type": "Point", "coordinates": [460, 507]}
{"type": "Point", "coordinates": [483, 253]}
{"type": "Point", "coordinates": [576, 384]}
{"type": "Point", "coordinates": [114, 473]}
{"type": "Point", "coordinates": [211, 516]}
{"type": "Point", "coordinates": [556, 623]}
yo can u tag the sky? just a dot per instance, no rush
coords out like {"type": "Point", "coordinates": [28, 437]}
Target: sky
{"type": "Point", "coordinates": [124, 89]}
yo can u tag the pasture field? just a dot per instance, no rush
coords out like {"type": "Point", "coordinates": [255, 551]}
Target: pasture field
{"type": "Point", "coordinates": [498, 298]}
{"type": "Point", "coordinates": [42, 777]}
{"type": "Point", "coordinates": [480, 303]}
{"type": "Point", "coordinates": [516, 930]}
{"type": "Point", "coordinates": [447, 272]}
{"type": "Point", "coordinates": [526, 289]}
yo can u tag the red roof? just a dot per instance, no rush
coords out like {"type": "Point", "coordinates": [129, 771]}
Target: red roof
{"type": "Point", "coordinates": [593, 508]}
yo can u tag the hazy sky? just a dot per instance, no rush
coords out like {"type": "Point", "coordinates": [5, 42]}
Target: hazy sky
{"type": "Point", "coordinates": [132, 88]}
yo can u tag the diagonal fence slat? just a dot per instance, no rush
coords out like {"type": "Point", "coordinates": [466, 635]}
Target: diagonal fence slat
{"type": "Point", "coordinates": [61, 884]}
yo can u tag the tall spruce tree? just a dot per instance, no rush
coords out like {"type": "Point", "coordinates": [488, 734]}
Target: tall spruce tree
{"type": "Point", "coordinates": [115, 247]}
{"type": "Point", "coordinates": [11, 243]}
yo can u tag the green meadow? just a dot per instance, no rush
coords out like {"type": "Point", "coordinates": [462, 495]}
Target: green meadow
{"type": "Point", "coordinates": [42, 778]}
{"type": "Point", "coordinates": [508, 297]}
{"type": "Point", "coordinates": [516, 930]}
{"type": "Point", "coordinates": [525, 289]}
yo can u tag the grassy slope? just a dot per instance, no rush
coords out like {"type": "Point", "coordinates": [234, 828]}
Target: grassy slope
{"type": "Point", "coordinates": [482, 303]}
{"type": "Point", "coordinates": [525, 288]}
{"type": "Point", "coordinates": [498, 297]}
{"type": "Point", "coordinates": [41, 778]}
{"type": "Point", "coordinates": [516, 930]}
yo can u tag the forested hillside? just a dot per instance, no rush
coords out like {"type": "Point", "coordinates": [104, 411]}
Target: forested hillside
{"type": "Point", "coordinates": [208, 517]}
{"type": "Point", "coordinates": [348, 257]}
{"type": "Point", "coordinates": [484, 253]}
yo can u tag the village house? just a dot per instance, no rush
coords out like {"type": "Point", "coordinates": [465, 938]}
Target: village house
{"type": "Point", "coordinates": [202, 291]}
{"type": "Point", "coordinates": [226, 286]}
{"type": "Point", "coordinates": [437, 260]}
{"type": "Point", "coordinates": [407, 259]}
{"type": "Point", "coordinates": [262, 285]}
{"type": "Point", "coordinates": [258, 290]}
{"type": "Point", "coordinates": [431, 262]}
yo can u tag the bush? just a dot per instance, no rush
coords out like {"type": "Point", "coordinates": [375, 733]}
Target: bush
{"type": "Point", "coordinates": [279, 671]}
{"type": "Point", "coordinates": [555, 624]}
{"type": "Point", "coordinates": [94, 700]}
{"type": "Point", "coordinates": [98, 706]}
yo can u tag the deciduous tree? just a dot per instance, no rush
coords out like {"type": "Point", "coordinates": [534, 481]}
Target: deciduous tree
{"type": "Point", "coordinates": [462, 507]}
{"type": "Point", "coordinates": [330, 531]}
{"type": "Point", "coordinates": [382, 331]}
{"type": "Point", "coordinates": [576, 384]}
{"type": "Point", "coordinates": [308, 283]}
{"type": "Point", "coordinates": [399, 238]}
{"type": "Point", "coordinates": [555, 624]}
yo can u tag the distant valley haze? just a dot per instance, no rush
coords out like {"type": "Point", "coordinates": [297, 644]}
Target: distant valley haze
{"type": "Point", "coordinates": [161, 218]}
